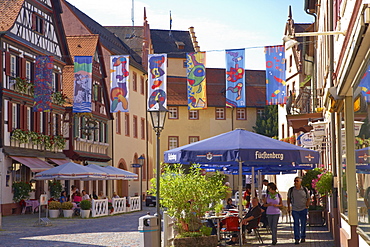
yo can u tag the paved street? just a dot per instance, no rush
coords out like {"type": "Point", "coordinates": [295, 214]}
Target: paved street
{"type": "Point", "coordinates": [119, 230]}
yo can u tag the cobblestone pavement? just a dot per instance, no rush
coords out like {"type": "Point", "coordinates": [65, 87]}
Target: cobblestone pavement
{"type": "Point", "coordinates": [119, 230]}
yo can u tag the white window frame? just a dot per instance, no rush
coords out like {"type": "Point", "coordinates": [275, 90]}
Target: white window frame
{"type": "Point", "coordinates": [260, 112]}
{"type": "Point", "coordinates": [193, 114]}
{"type": "Point", "coordinates": [42, 122]}
{"type": "Point", "coordinates": [220, 113]}
{"type": "Point", "coordinates": [173, 142]}
{"type": "Point", "coordinates": [193, 139]}
{"type": "Point", "coordinates": [13, 65]}
{"type": "Point", "coordinates": [241, 114]}
{"type": "Point", "coordinates": [14, 116]}
{"type": "Point", "coordinates": [29, 118]}
{"type": "Point", "coordinates": [28, 71]}
{"type": "Point", "coordinates": [173, 112]}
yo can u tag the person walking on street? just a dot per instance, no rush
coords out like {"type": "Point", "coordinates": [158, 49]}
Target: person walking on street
{"type": "Point", "coordinates": [273, 202]}
{"type": "Point", "coordinates": [299, 197]}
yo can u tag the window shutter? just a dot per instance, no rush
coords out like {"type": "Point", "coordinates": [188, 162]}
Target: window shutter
{"type": "Point", "coordinates": [22, 67]}
{"type": "Point", "coordinates": [33, 21]}
{"type": "Point", "coordinates": [1, 65]}
{"type": "Point", "coordinates": [7, 63]}
{"type": "Point", "coordinates": [10, 116]}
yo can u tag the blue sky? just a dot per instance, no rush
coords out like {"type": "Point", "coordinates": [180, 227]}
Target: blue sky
{"type": "Point", "coordinates": [218, 25]}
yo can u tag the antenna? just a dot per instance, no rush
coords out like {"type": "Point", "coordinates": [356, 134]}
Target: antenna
{"type": "Point", "coordinates": [132, 13]}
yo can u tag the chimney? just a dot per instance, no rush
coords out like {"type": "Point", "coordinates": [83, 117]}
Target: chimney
{"type": "Point", "coordinates": [194, 39]}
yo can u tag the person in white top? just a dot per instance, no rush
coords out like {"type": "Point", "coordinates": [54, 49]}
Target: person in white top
{"type": "Point", "coordinates": [85, 196]}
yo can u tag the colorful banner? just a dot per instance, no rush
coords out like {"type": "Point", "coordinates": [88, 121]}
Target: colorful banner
{"type": "Point", "coordinates": [119, 82]}
{"type": "Point", "coordinates": [82, 84]}
{"type": "Point", "coordinates": [235, 81]}
{"type": "Point", "coordinates": [275, 75]}
{"type": "Point", "coordinates": [196, 78]}
{"type": "Point", "coordinates": [157, 81]}
{"type": "Point", "coordinates": [43, 83]}
{"type": "Point", "coordinates": [365, 85]}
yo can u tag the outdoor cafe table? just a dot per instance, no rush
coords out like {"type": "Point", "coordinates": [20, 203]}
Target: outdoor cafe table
{"type": "Point", "coordinates": [218, 219]}
{"type": "Point", "coordinates": [31, 203]}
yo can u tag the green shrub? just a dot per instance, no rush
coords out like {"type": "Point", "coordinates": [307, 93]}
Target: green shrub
{"type": "Point", "coordinates": [67, 205]}
{"type": "Point", "coordinates": [55, 205]}
{"type": "Point", "coordinates": [55, 188]}
{"type": "Point", "coordinates": [21, 191]}
{"type": "Point", "coordinates": [85, 205]}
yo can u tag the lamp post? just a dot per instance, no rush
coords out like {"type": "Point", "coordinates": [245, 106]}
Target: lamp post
{"type": "Point", "coordinates": [158, 115]}
{"type": "Point", "coordinates": [141, 162]}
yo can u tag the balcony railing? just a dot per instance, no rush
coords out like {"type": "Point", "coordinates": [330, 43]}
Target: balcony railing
{"type": "Point", "coordinates": [301, 104]}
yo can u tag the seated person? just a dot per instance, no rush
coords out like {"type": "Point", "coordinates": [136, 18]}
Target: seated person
{"type": "Point", "coordinates": [230, 204]}
{"type": "Point", "coordinates": [63, 197]}
{"type": "Point", "coordinates": [250, 220]}
{"type": "Point", "coordinates": [101, 195]}
{"type": "Point", "coordinates": [77, 197]}
{"type": "Point", "coordinates": [115, 195]}
{"type": "Point", "coordinates": [94, 196]}
{"type": "Point", "coordinates": [85, 196]}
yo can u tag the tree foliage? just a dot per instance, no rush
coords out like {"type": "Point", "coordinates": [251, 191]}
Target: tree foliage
{"type": "Point", "coordinates": [188, 194]}
{"type": "Point", "coordinates": [267, 124]}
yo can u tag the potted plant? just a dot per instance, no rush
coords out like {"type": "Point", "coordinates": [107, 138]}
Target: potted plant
{"type": "Point", "coordinates": [55, 188]}
{"type": "Point", "coordinates": [21, 191]}
{"type": "Point", "coordinates": [187, 194]}
{"type": "Point", "coordinates": [85, 206]}
{"type": "Point", "coordinates": [54, 209]}
{"type": "Point", "coordinates": [67, 209]}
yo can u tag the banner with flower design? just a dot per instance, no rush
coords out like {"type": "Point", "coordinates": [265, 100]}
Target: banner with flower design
{"type": "Point", "coordinates": [43, 83]}
{"type": "Point", "coordinates": [196, 78]}
{"type": "Point", "coordinates": [275, 75]}
{"type": "Point", "coordinates": [119, 82]}
{"type": "Point", "coordinates": [157, 80]}
{"type": "Point", "coordinates": [235, 82]}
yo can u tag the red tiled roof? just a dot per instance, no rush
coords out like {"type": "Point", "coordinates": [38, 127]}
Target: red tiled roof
{"type": "Point", "coordinates": [255, 88]}
{"type": "Point", "coordinates": [9, 10]}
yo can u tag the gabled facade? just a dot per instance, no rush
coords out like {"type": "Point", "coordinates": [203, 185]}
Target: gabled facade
{"type": "Point", "coordinates": [29, 29]}
{"type": "Point", "coordinates": [128, 133]}
{"type": "Point", "coordinates": [86, 134]}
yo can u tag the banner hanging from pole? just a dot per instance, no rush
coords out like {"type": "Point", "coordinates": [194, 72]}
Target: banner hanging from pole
{"type": "Point", "coordinates": [275, 75]}
{"type": "Point", "coordinates": [235, 80]}
{"type": "Point", "coordinates": [196, 80]}
{"type": "Point", "coordinates": [43, 83]}
{"type": "Point", "coordinates": [157, 80]}
{"type": "Point", "coordinates": [119, 83]}
{"type": "Point", "coordinates": [82, 84]}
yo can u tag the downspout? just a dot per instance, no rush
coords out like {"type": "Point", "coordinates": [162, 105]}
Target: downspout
{"type": "Point", "coordinates": [146, 136]}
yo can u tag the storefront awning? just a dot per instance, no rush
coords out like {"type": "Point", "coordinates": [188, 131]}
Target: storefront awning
{"type": "Point", "coordinates": [97, 163]}
{"type": "Point", "coordinates": [59, 162]}
{"type": "Point", "coordinates": [35, 164]}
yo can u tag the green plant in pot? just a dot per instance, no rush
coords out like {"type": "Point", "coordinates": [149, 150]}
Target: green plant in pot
{"type": "Point", "coordinates": [67, 209]}
{"type": "Point", "coordinates": [54, 209]}
{"type": "Point", "coordinates": [187, 194]}
{"type": "Point", "coordinates": [55, 188]}
{"type": "Point", "coordinates": [85, 205]}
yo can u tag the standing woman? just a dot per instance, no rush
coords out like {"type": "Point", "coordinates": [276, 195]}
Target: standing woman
{"type": "Point", "coordinates": [273, 202]}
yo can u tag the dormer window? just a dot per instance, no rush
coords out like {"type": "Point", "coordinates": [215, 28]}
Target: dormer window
{"type": "Point", "coordinates": [180, 45]}
{"type": "Point", "coordinates": [37, 23]}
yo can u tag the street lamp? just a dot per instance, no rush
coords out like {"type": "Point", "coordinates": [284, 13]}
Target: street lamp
{"type": "Point", "coordinates": [158, 115]}
{"type": "Point", "coordinates": [141, 162]}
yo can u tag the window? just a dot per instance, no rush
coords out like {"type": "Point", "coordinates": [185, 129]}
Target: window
{"type": "Point", "coordinates": [118, 123]}
{"type": "Point", "coordinates": [241, 114]}
{"type": "Point", "coordinates": [193, 114]}
{"type": "Point", "coordinates": [134, 81]}
{"type": "Point", "coordinates": [54, 125]}
{"type": "Point", "coordinates": [173, 142]}
{"type": "Point", "coordinates": [96, 132]}
{"type": "Point", "coordinates": [260, 112]}
{"type": "Point", "coordinates": [14, 116]}
{"type": "Point", "coordinates": [28, 71]}
{"type": "Point", "coordinates": [142, 85]}
{"type": "Point", "coordinates": [193, 139]}
{"type": "Point", "coordinates": [220, 113]}
{"type": "Point", "coordinates": [37, 23]}
{"type": "Point", "coordinates": [184, 63]}
{"type": "Point", "coordinates": [173, 112]}
{"type": "Point", "coordinates": [290, 61]}
{"type": "Point", "coordinates": [28, 118]}
{"type": "Point", "coordinates": [13, 66]}
{"type": "Point", "coordinates": [135, 126]}
{"type": "Point", "coordinates": [142, 127]}
{"type": "Point", "coordinates": [127, 124]}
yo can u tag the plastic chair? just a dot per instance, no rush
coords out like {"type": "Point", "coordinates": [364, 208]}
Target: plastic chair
{"type": "Point", "coordinates": [230, 225]}
{"type": "Point", "coordinates": [257, 230]}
